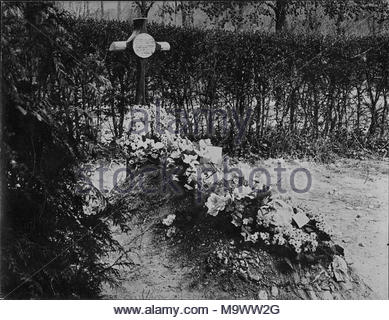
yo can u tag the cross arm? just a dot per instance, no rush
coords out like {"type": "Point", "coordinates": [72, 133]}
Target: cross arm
{"type": "Point", "coordinates": [162, 46]}
{"type": "Point", "coordinates": [122, 45]}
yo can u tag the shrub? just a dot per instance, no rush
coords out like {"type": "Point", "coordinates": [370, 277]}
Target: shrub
{"type": "Point", "coordinates": [302, 86]}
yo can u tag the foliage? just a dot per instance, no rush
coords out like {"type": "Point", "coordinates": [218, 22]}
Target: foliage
{"type": "Point", "coordinates": [48, 223]}
{"type": "Point", "coordinates": [282, 15]}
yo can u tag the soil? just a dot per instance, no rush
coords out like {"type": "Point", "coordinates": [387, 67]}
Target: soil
{"type": "Point", "coordinates": [352, 195]}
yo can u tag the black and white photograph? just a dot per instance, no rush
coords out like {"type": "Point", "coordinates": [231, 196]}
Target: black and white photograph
{"type": "Point", "coordinates": [194, 150]}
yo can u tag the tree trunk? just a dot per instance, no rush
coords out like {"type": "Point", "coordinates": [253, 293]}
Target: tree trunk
{"type": "Point", "coordinates": [374, 97]}
{"type": "Point", "coordinates": [258, 107]}
{"type": "Point", "coordinates": [184, 14]}
{"type": "Point", "coordinates": [315, 113]}
{"type": "Point", "coordinates": [119, 10]}
{"type": "Point", "coordinates": [280, 15]}
{"type": "Point", "coordinates": [292, 107]}
{"type": "Point", "coordinates": [86, 8]}
{"type": "Point", "coordinates": [340, 30]}
{"type": "Point", "coordinates": [384, 115]}
{"type": "Point", "coordinates": [359, 103]}
{"type": "Point", "coordinates": [102, 9]}
{"type": "Point", "coordinates": [373, 121]}
{"type": "Point", "coordinates": [144, 7]}
{"type": "Point", "coordinates": [140, 96]}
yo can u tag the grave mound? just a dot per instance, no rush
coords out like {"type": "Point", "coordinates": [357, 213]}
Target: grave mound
{"type": "Point", "coordinates": [222, 258]}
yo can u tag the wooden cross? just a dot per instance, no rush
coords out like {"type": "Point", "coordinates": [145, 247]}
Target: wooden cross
{"type": "Point", "coordinates": [144, 47]}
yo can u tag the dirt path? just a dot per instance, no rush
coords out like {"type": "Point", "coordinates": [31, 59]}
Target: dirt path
{"type": "Point", "coordinates": [352, 195]}
{"type": "Point", "coordinates": [157, 272]}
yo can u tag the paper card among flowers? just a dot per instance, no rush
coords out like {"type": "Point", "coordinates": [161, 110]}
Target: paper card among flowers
{"type": "Point", "coordinates": [301, 219]}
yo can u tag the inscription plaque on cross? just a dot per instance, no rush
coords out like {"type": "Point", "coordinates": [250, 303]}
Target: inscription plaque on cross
{"type": "Point", "coordinates": [144, 46]}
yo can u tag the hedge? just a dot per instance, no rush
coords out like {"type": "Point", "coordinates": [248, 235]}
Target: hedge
{"type": "Point", "coordinates": [303, 87]}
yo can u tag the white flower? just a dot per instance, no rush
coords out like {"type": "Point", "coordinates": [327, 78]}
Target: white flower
{"type": "Point", "coordinates": [158, 145]}
{"type": "Point", "coordinates": [236, 221]}
{"type": "Point", "coordinates": [264, 235]}
{"type": "Point", "coordinates": [185, 145]}
{"type": "Point", "coordinates": [201, 152]}
{"type": "Point", "coordinates": [282, 215]}
{"type": "Point", "coordinates": [247, 221]}
{"type": "Point", "coordinates": [190, 159]}
{"type": "Point", "coordinates": [250, 237]}
{"type": "Point", "coordinates": [142, 144]}
{"type": "Point", "coordinates": [171, 231]}
{"type": "Point", "coordinates": [204, 143]}
{"type": "Point", "coordinates": [175, 154]}
{"type": "Point", "coordinates": [168, 221]}
{"type": "Point", "coordinates": [243, 192]}
{"type": "Point", "coordinates": [191, 175]}
{"type": "Point", "coordinates": [215, 204]}
{"type": "Point", "coordinates": [187, 186]}
{"type": "Point", "coordinates": [170, 161]}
